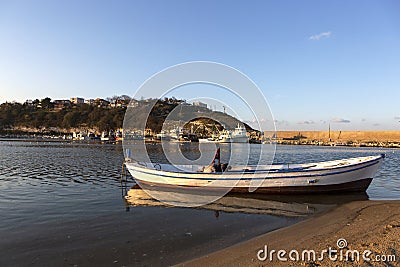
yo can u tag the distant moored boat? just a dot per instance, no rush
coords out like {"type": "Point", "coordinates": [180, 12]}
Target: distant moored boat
{"type": "Point", "coordinates": [237, 136]}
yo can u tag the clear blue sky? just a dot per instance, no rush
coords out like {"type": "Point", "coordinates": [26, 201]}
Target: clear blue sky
{"type": "Point", "coordinates": [315, 61]}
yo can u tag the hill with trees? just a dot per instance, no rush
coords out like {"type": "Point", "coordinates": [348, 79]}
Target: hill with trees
{"type": "Point", "coordinates": [54, 117]}
{"type": "Point", "coordinates": [41, 116]}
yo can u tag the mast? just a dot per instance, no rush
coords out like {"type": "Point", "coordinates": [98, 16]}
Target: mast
{"type": "Point", "coordinates": [329, 132]}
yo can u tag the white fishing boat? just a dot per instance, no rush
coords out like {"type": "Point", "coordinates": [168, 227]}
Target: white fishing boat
{"type": "Point", "coordinates": [343, 175]}
{"type": "Point", "coordinates": [119, 135]}
{"type": "Point", "coordinates": [236, 136]}
{"type": "Point", "coordinates": [107, 136]}
{"type": "Point", "coordinates": [78, 136]}
{"type": "Point", "coordinates": [225, 137]}
{"type": "Point", "coordinates": [239, 135]}
{"type": "Point", "coordinates": [163, 135]}
{"type": "Point", "coordinates": [206, 140]}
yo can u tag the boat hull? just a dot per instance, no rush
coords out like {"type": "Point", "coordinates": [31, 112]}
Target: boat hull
{"type": "Point", "coordinates": [238, 139]}
{"type": "Point", "coordinates": [353, 178]}
{"type": "Point", "coordinates": [355, 186]}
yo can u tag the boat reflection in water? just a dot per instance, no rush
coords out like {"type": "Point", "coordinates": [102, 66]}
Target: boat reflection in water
{"type": "Point", "coordinates": [278, 205]}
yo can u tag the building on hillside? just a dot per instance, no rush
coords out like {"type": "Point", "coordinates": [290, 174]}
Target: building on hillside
{"type": "Point", "coordinates": [101, 102]}
{"type": "Point", "coordinates": [89, 102]}
{"type": "Point", "coordinates": [119, 103]}
{"type": "Point", "coordinates": [77, 100]}
{"type": "Point", "coordinates": [61, 103]}
{"type": "Point", "coordinates": [199, 104]}
{"type": "Point", "coordinates": [29, 102]}
{"type": "Point", "coordinates": [133, 103]}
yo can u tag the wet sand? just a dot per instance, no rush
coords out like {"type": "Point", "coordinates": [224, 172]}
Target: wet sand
{"type": "Point", "coordinates": [365, 225]}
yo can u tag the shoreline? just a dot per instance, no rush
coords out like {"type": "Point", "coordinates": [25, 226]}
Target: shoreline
{"type": "Point", "coordinates": [282, 143]}
{"type": "Point", "coordinates": [366, 225]}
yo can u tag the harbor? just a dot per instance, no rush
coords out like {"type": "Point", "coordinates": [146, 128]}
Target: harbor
{"type": "Point", "coordinates": [384, 139]}
{"type": "Point", "coordinates": [71, 209]}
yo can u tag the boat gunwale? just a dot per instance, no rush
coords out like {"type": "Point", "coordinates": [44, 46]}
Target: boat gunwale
{"type": "Point", "coordinates": [373, 158]}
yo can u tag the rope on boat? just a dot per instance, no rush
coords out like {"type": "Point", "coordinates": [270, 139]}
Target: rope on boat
{"type": "Point", "coordinates": [124, 186]}
{"type": "Point", "coordinates": [123, 181]}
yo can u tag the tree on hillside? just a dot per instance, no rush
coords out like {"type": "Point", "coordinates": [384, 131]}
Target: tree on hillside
{"type": "Point", "coordinates": [71, 119]}
{"type": "Point", "coordinates": [46, 103]}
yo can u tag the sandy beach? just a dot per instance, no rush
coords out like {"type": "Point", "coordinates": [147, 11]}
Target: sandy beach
{"type": "Point", "coordinates": [364, 225]}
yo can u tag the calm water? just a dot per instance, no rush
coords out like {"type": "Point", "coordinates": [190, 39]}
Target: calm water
{"type": "Point", "coordinates": [60, 203]}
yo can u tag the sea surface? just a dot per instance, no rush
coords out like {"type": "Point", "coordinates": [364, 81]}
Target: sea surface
{"type": "Point", "coordinates": [62, 204]}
